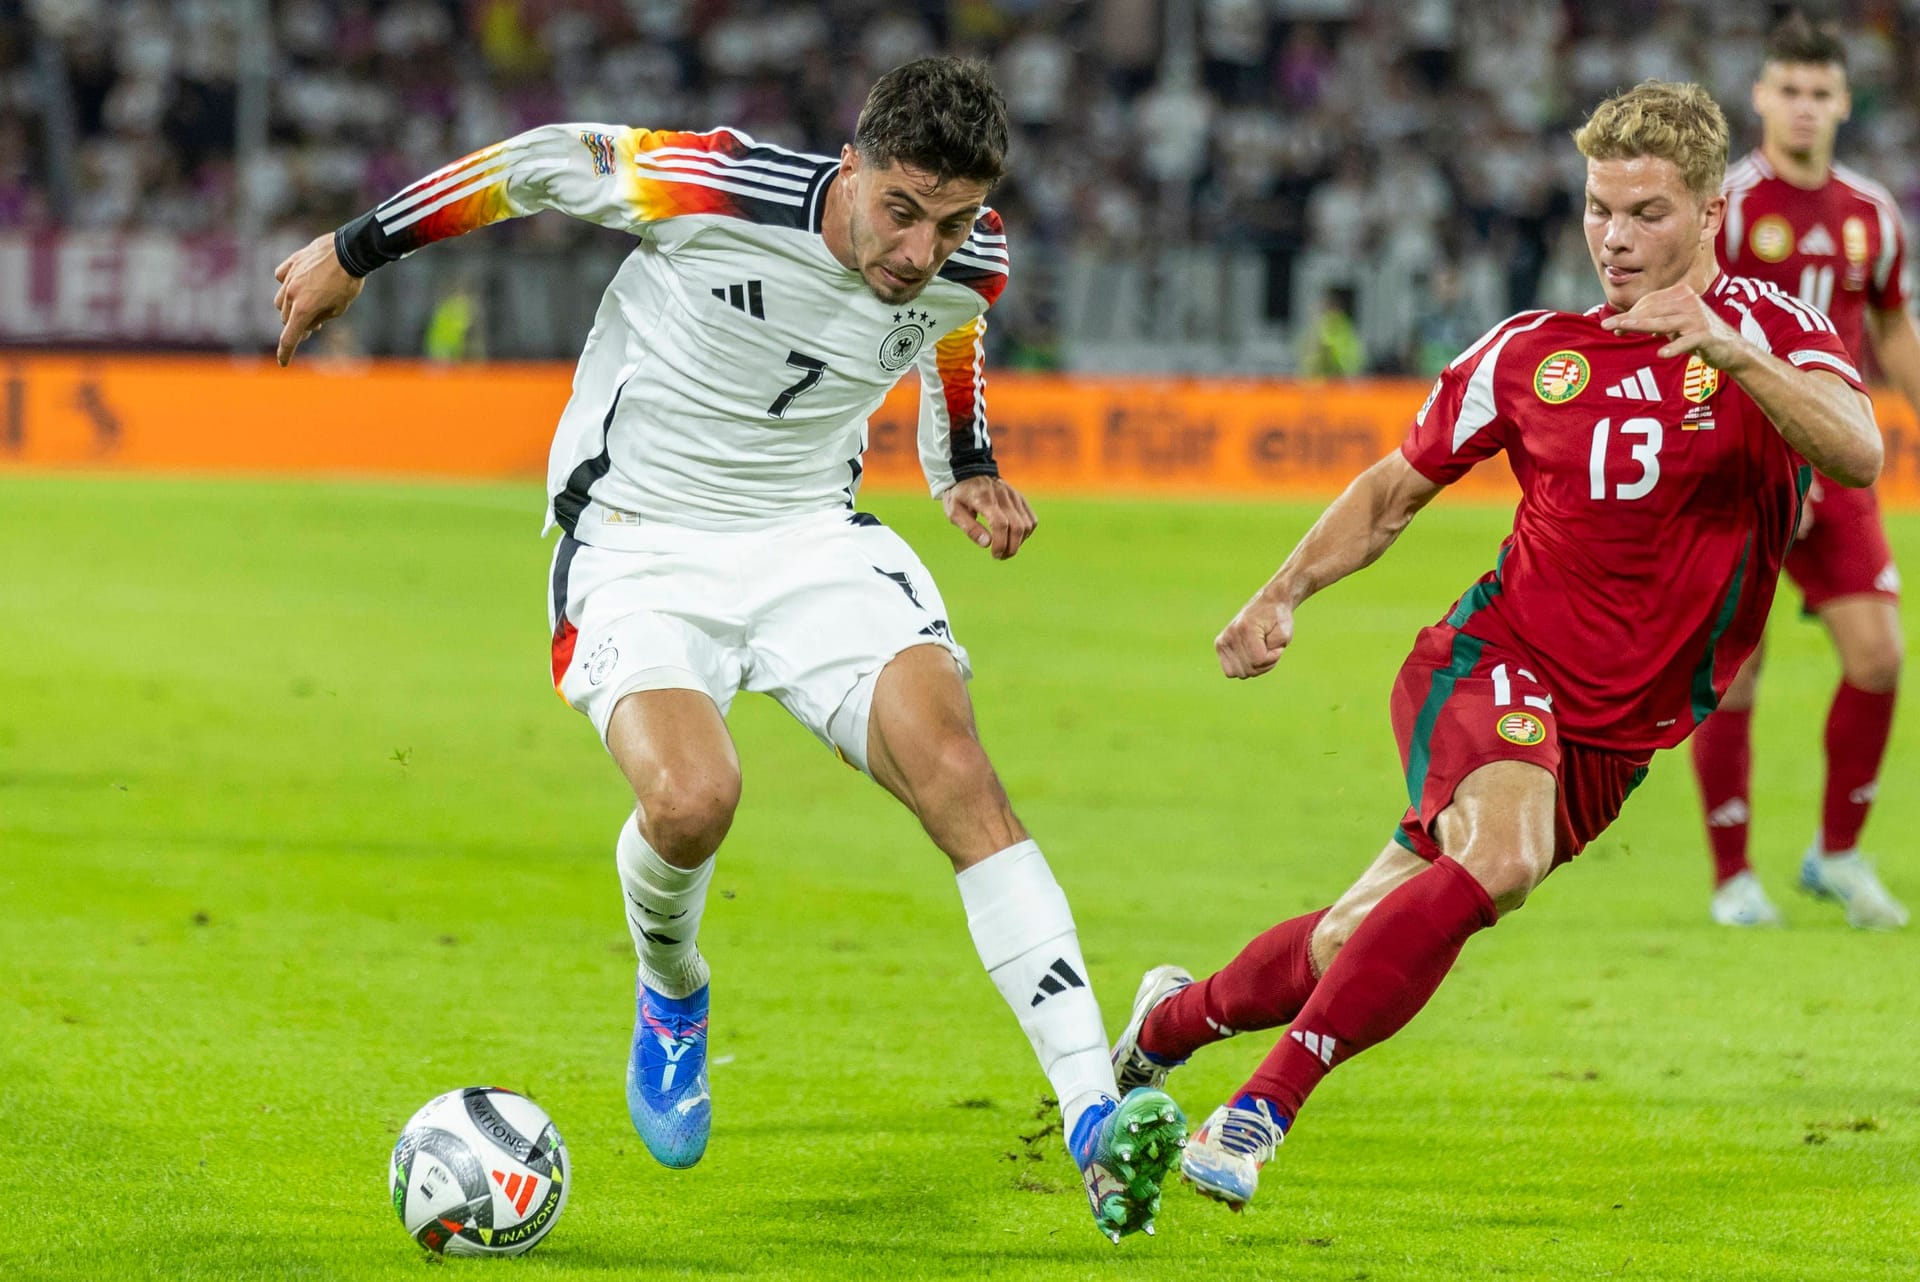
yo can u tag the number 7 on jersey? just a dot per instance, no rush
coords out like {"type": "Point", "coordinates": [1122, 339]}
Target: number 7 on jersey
{"type": "Point", "coordinates": [813, 368]}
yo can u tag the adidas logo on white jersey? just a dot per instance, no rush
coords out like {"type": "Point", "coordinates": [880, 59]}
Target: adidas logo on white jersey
{"type": "Point", "coordinates": [1817, 242]}
{"type": "Point", "coordinates": [743, 298]}
{"type": "Point", "coordinates": [1317, 1044]}
{"type": "Point", "coordinates": [1638, 386]}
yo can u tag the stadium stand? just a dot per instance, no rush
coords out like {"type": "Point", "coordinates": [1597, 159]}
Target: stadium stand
{"type": "Point", "coordinates": [1238, 185]}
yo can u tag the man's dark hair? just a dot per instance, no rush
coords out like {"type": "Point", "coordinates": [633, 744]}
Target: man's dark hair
{"type": "Point", "coordinates": [939, 115]}
{"type": "Point", "coordinates": [1797, 40]}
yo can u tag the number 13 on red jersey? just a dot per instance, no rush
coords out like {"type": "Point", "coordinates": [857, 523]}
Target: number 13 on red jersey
{"type": "Point", "coordinates": [1645, 452]}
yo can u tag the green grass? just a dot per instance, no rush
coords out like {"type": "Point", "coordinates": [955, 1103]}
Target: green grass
{"type": "Point", "coordinates": [294, 835]}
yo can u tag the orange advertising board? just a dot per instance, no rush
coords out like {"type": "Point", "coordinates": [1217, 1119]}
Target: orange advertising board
{"type": "Point", "coordinates": [1053, 434]}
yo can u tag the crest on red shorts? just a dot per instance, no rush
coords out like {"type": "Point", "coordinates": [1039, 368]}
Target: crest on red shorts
{"type": "Point", "coordinates": [1522, 728]}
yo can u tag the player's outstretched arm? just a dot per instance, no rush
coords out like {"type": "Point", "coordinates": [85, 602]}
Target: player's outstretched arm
{"type": "Point", "coordinates": [1350, 535]}
{"type": "Point", "coordinates": [586, 171]}
{"type": "Point", "coordinates": [1819, 413]}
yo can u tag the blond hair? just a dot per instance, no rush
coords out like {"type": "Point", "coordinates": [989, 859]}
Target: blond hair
{"type": "Point", "coordinates": [1679, 122]}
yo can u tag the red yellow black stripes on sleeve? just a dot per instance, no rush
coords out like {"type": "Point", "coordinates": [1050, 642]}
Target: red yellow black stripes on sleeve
{"type": "Point", "coordinates": [981, 263]}
{"type": "Point", "coordinates": [611, 175]}
{"type": "Point", "coordinates": [954, 443]}
{"type": "Point", "coordinates": [960, 358]}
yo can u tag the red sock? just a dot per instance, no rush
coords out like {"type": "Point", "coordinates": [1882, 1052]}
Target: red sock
{"type": "Point", "coordinates": [1857, 730]}
{"type": "Point", "coordinates": [1377, 982]}
{"type": "Point", "coordinates": [1723, 763]}
{"type": "Point", "coordinates": [1264, 987]}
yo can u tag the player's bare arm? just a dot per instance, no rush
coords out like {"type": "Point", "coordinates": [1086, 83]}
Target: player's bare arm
{"type": "Point", "coordinates": [1896, 346]}
{"type": "Point", "coordinates": [1350, 535]}
{"type": "Point", "coordinates": [314, 288]}
{"type": "Point", "coordinates": [1828, 422]}
{"type": "Point", "coordinates": [991, 513]}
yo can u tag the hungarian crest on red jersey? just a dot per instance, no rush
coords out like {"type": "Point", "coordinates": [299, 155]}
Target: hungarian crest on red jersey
{"type": "Point", "coordinates": [1561, 377]}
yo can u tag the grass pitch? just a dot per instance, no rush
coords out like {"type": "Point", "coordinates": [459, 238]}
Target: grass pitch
{"type": "Point", "coordinates": [294, 835]}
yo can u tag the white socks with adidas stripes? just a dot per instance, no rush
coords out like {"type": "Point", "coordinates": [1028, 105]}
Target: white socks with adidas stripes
{"type": "Point", "coordinates": [664, 906]}
{"type": "Point", "coordinates": [1023, 930]}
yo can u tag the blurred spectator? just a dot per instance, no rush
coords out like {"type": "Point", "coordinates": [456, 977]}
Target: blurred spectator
{"type": "Point", "coordinates": [1035, 72]}
{"type": "Point", "coordinates": [454, 327]}
{"type": "Point", "coordinates": [1339, 213]}
{"type": "Point", "coordinates": [1233, 41]}
{"type": "Point", "coordinates": [22, 202]}
{"type": "Point", "coordinates": [1447, 324]}
{"type": "Point", "coordinates": [1331, 347]}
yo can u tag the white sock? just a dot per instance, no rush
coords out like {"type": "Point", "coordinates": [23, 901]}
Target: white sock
{"type": "Point", "coordinates": [664, 906]}
{"type": "Point", "coordinates": [1023, 930]}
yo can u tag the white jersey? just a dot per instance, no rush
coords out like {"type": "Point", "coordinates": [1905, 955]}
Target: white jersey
{"type": "Point", "coordinates": [733, 362]}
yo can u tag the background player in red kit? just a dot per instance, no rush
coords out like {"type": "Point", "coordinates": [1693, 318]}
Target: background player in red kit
{"type": "Point", "coordinates": [1831, 238]}
{"type": "Point", "coordinates": [1661, 442]}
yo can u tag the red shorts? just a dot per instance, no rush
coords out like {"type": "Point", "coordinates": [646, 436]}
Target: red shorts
{"type": "Point", "coordinates": [1846, 552]}
{"type": "Point", "coordinates": [1460, 703]}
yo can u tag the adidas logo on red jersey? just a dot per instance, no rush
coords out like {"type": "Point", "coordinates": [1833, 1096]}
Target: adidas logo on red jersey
{"type": "Point", "coordinates": [1817, 243]}
{"type": "Point", "coordinates": [1638, 386]}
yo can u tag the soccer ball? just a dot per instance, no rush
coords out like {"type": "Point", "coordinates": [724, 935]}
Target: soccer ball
{"type": "Point", "coordinates": [479, 1171]}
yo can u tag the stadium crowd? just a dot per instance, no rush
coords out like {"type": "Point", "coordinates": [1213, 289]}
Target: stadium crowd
{"type": "Point", "coordinates": [1422, 136]}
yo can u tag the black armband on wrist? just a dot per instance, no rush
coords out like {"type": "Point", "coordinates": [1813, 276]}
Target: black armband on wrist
{"type": "Point", "coordinates": [358, 246]}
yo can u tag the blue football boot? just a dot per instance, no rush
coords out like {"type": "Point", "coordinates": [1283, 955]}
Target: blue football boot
{"type": "Point", "coordinates": [667, 1093]}
{"type": "Point", "coordinates": [1125, 1149]}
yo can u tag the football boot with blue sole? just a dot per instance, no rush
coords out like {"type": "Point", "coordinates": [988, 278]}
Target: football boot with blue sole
{"type": "Point", "coordinates": [1227, 1152]}
{"type": "Point", "coordinates": [667, 1094]}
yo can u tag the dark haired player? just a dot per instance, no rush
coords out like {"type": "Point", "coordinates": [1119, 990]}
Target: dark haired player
{"type": "Point", "coordinates": [703, 477]}
{"type": "Point", "coordinates": [1832, 239]}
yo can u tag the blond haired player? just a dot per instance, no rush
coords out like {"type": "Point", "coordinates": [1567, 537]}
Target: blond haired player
{"type": "Point", "coordinates": [1661, 442]}
{"type": "Point", "coordinates": [1832, 238]}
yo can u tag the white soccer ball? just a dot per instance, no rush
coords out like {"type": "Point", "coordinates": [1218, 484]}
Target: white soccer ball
{"type": "Point", "coordinates": [479, 1171]}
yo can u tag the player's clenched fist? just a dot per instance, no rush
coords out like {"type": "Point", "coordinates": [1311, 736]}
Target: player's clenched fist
{"type": "Point", "coordinates": [1679, 312]}
{"type": "Point", "coordinates": [991, 513]}
{"type": "Point", "coordinates": [314, 288]}
{"type": "Point", "coordinates": [1251, 644]}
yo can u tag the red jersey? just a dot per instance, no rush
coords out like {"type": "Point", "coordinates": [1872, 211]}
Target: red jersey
{"type": "Point", "coordinates": [1656, 505]}
{"type": "Point", "coordinates": [1838, 247]}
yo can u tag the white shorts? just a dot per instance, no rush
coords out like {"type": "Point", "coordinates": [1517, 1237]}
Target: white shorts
{"type": "Point", "coordinates": [808, 611]}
